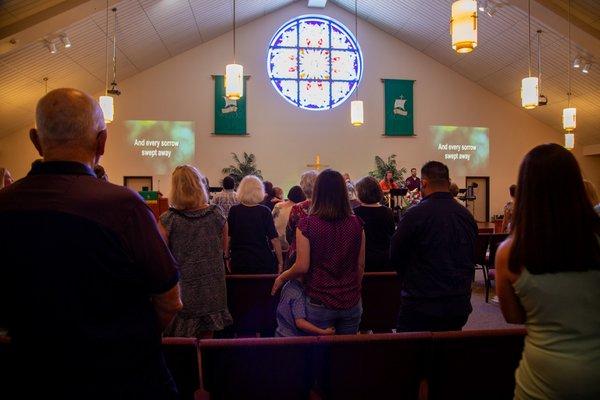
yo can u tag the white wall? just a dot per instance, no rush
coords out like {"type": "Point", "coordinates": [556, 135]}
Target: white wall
{"type": "Point", "coordinates": [285, 138]}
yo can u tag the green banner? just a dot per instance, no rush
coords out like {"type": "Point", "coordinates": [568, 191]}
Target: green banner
{"type": "Point", "coordinates": [399, 106]}
{"type": "Point", "coordinates": [230, 115]}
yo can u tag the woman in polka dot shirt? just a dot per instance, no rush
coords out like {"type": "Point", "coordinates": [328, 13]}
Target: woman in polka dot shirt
{"type": "Point", "coordinates": [330, 247]}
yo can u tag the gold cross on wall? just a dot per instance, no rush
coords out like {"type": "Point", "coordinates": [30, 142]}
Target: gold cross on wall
{"type": "Point", "coordinates": [317, 165]}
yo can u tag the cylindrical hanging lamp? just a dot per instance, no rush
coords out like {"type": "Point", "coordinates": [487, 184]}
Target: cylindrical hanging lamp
{"type": "Point", "coordinates": [463, 26]}
{"type": "Point", "coordinates": [569, 115]}
{"type": "Point", "coordinates": [356, 113]}
{"type": "Point", "coordinates": [569, 141]}
{"type": "Point", "coordinates": [234, 81]}
{"type": "Point", "coordinates": [108, 108]}
{"type": "Point", "coordinates": [357, 116]}
{"type": "Point", "coordinates": [530, 92]}
{"type": "Point", "coordinates": [234, 73]}
{"type": "Point", "coordinates": [569, 119]}
{"type": "Point", "coordinates": [106, 102]}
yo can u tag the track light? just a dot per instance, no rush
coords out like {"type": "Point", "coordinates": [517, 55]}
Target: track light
{"type": "Point", "coordinates": [577, 62]}
{"type": "Point", "coordinates": [51, 47]}
{"type": "Point", "coordinates": [488, 6]}
{"type": "Point", "coordinates": [66, 41]}
{"type": "Point", "coordinates": [586, 68]}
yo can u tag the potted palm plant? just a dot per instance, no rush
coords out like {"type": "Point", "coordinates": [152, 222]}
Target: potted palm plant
{"type": "Point", "coordinates": [382, 167]}
{"type": "Point", "coordinates": [242, 168]}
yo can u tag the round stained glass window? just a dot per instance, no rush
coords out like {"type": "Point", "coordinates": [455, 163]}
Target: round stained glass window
{"type": "Point", "coordinates": [314, 62]}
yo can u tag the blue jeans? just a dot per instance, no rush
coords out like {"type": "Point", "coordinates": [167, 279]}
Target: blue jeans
{"type": "Point", "coordinates": [345, 322]}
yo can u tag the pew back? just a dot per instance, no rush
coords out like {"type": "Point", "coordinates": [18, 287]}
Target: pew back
{"type": "Point", "coordinates": [258, 368]}
{"type": "Point", "coordinates": [254, 309]}
{"type": "Point", "coordinates": [442, 365]}
{"type": "Point", "coordinates": [475, 364]}
{"type": "Point", "coordinates": [375, 366]}
{"type": "Point", "coordinates": [181, 356]}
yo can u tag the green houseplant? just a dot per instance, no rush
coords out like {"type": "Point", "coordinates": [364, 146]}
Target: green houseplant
{"type": "Point", "coordinates": [381, 167]}
{"type": "Point", "coordinates": [242, 168]}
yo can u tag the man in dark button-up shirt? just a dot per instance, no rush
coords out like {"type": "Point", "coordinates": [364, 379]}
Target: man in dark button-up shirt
{"type": "Point", "coordinates": [413, 182]}
{"type": "Point", "coordinates": [432, 250]}
{"type": "Point", "coordinates": [87, 283]}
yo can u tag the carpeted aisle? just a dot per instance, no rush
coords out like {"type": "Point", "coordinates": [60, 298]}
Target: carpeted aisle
{"type": "Point", "coordinates": [485, 315]}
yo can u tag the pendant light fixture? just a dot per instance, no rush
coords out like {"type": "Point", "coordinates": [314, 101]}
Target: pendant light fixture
{"type": "Point", "coordinates": [569, 115]}
{"type": "Point", "coordinates": [106, 101]}
{"type": "Point", "coordinates": [357, 117]}
{"type": "Point", "coordinates": [529, 86]}
{"type": "Point", "coordinates": [542, 100]}
{"type": "Point", "coordinates": [463, 25]}
{"type": "Point", "coordinates": [114, 88]}
{"type": "Point", "coordinates": [234, 73]}
{"type": "Point", "coordinates": [569, 141]}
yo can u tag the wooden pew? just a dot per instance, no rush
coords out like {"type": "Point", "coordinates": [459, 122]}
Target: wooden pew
{"type": "Point", "coordinates": [380, 366]}
{"type": "Point", "coordinates": [254, 309]}
{"type": "Point", "coordinates": [422, 365]}
{"type": "Point", "coordinates": [258, 368]}
{"type": "Point", "coordinates": [181, 356]}
{"type": "Point", "coordinates": [475, 364]}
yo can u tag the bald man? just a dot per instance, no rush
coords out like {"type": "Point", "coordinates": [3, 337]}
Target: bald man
{"type": "Point", "coordinates": [89, 283]}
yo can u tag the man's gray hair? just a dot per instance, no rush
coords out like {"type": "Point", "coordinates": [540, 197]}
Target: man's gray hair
{"type": "Point", "coordinates": [307, 182]}
{"type": "Point", "coordinates": [68, 115]}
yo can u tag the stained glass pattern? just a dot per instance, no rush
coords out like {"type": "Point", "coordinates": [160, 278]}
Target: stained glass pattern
{"type": "Point", "coordinates": [314, 62]}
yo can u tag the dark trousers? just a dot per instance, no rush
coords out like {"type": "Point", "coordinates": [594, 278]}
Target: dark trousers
{"type": "Point", "coordinates": [434, 315]}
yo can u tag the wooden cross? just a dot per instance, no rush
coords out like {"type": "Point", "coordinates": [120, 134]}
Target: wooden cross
{"type": "Point", "coordinates": [317, 165]}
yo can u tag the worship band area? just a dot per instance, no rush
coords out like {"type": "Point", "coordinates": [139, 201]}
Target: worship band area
{"type": "Point", "coordinates": [465, 265]}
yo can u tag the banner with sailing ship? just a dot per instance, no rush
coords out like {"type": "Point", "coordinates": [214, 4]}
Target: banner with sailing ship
{"type": "Point", "coordinates": [399, 107]}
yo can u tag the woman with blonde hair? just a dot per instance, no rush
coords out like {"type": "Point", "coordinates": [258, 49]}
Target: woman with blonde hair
{"type": "Point", "coordinates": [251, 230]}
{"type": "Point", "coordinates": [196, 233]}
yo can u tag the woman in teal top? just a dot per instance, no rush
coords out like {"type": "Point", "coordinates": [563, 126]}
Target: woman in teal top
{"type": "Point", "coordinates": [548, 277]}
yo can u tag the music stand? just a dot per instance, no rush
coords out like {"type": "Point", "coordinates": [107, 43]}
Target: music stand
{"type": "Point", "coordinates": [393, 197]}
{"type": "Point", "coordinates": [399, 192]}
{"type": "Point", "coordinates": [468, 196]}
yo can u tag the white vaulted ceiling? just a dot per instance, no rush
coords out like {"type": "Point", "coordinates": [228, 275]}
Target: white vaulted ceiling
{"type": "Point", "coordinates": [151, 31]}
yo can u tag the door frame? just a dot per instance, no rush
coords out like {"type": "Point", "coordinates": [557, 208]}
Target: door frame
{"type": "Point", "coordinates": [148, 178]}
{"type": "Point", "coordinates": [487, 194]}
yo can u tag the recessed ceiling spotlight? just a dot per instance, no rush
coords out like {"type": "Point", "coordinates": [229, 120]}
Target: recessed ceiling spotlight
{"type": "Point", "coordinates": [65, 40]}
